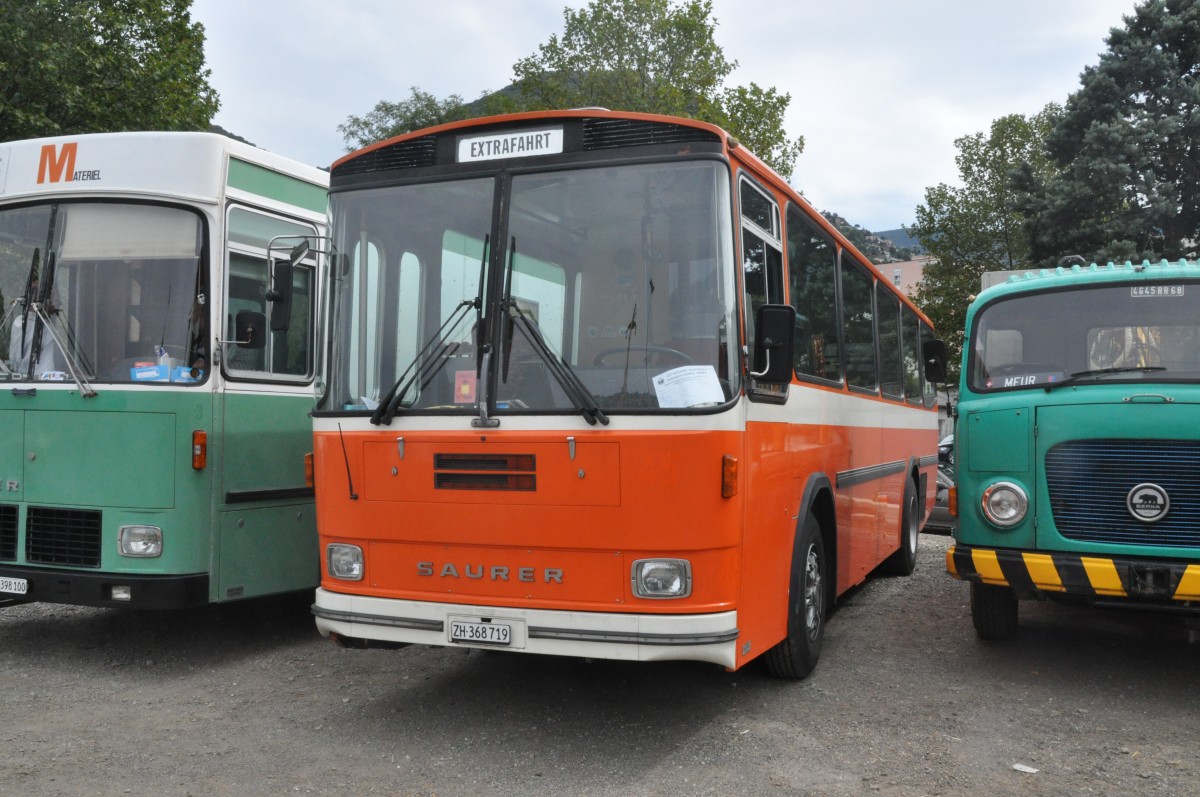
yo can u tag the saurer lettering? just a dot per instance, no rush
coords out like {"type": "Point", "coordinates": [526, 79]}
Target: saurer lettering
{"type": "Point", "coordinates": [490, 572]}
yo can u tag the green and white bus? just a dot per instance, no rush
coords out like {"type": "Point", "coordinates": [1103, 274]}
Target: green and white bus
{"type": "Point", "coordinates": [1077, 442]}
{"type": "Point", "coordinates": [157, 358]}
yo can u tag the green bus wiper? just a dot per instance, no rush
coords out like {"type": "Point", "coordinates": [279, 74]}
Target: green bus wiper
{"type": "Point", "coordinates": [1095, 372]}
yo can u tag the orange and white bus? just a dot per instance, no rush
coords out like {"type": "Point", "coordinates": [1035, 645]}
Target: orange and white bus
{"type": "Point", "coordinates": [603, 385]}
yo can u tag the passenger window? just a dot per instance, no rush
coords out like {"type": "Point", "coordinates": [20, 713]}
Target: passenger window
{"type": "Point", "coordinates": [812, 275]}
{"type": "Point", "coordinates": [890, 366]}
{"type": "Point", "coordinates": [910, 330]}
{"type": "Point", "coordinates": [858, 325]}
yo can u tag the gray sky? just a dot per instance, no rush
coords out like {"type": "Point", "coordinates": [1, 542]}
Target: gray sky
{"type": "Point", "coordinates": [880, 88]}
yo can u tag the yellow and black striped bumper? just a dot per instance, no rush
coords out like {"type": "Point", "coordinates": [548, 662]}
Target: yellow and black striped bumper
{"type": "Point", "coordinates": [1029, 573]}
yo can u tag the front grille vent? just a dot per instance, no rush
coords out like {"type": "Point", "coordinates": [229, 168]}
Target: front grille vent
{"type": "Point", "coordinates": [62, 537]}
{"type": "Point", "coordinates": [410, 154]}
{"type": "Point", "coordinates": [1090, 480]}
{"type": "Point", "coordinates": [504, 472]}
{"type": "Point", "coordinates": [613, 133]}
{"type": "Point", "coordinates": [8, 532]}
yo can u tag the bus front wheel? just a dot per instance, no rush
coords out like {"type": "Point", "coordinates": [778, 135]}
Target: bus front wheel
{"type": "Point", "coordinates": [796, 656]}
{"type": "Point", "coordinates": [993, 611]}
{"type": "Point", "coordinates": [904, 561]}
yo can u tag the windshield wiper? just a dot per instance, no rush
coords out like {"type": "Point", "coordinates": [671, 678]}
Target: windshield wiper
{"type": "Point", "coordinates": [1096, 372]}
{"type": "Point", "coordinates": [577, 392]}
{"type": "Point", "coordinates": [434, 355]}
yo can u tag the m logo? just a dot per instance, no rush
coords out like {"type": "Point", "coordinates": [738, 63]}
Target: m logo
{"type": "Point", "coordinates": [54, 163]}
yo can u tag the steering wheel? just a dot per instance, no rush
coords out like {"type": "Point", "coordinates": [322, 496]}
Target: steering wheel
{"type": "Point", "coordinates": [645, 348]}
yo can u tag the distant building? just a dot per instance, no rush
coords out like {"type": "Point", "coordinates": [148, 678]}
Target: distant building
{"type": "Point", "coordinates": [905, 274]}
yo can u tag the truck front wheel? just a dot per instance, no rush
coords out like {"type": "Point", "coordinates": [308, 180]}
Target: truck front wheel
{"type": "Point", "coordinates": [993, 611]}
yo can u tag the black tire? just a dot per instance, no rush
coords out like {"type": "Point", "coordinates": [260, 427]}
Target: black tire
{"type": "Point", "coordinates": [808, 593]}
{"type": "Point", "coordinates": [904, 561]}
{"type": "Point", "coordinates": [993, 611]}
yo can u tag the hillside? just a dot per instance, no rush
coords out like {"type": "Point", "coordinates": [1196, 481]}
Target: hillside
{"type": "Point", "coordinates": [884, 247]}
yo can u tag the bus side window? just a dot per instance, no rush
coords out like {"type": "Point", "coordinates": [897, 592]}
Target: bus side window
{"type": "Point", "coordinates": [288, 354]}
{"type": "Point", "coordinates": [762, 253]}
{"type": "Point", "coordinates": [859, 325]}
{"type": "Point", "coordinates": [891, 368]}
{"type": "Point", "coordinates": [910, 345]}
{"type": "Point", "coordinates": [812, 275]}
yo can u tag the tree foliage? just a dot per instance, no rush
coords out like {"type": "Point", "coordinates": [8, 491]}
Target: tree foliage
{"type": "Point", "coordinates": [1127, 178]}
{"type": "Point", "coordinates": [83, 66]}
{"type": "Point", "coordinates": [974, 227]}
{"type": "Point", "coordinates": [651, 56]}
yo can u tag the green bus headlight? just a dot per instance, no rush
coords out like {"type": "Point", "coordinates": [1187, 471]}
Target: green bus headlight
{"type": "Point", "coordinates": [1004, 504]}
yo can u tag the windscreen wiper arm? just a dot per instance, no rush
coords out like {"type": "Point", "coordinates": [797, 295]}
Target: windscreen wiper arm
{"type": "Point", "coordinates": [1080, 375]}
{"type": "Point", "coordinates": [571, 384]}
{"type": "Point", "coordinates": [432, 357]}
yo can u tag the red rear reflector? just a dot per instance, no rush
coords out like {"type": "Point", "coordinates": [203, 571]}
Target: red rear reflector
{"type": "Point", "coordinates": [309, 479]}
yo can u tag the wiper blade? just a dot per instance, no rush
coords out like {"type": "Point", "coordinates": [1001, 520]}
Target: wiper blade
{"type": "Point", "coordinates": [1096, 372]}
{"type": "Point", "coordinates": [572, 385]}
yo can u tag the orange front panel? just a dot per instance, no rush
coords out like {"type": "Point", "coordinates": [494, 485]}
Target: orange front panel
{"type": "Point", "coordinates": [624, 496]}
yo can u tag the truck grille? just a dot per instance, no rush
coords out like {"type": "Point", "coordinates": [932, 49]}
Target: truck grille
{"type": "Point", "coordinates": [1089, 482]}
{"type": "Point", "coordinates": [62, 536]}
{"type": "Point", "coordinates": [8, 532]}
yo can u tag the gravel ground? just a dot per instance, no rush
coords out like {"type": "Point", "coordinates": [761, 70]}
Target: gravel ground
{"type": "Point", "coordinates": [248, 699]}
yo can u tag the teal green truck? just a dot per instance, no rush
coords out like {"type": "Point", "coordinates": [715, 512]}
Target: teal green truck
{"type": "Point", "coordinates": [1077, 442]}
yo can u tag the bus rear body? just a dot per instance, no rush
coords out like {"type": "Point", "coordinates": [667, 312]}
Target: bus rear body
{"type": "Point", "coordinates": [1077, 441]}
{"type": "Point", "coordinates": [542, 430]}
{"type": "Point", "coordinates": [149, 458]}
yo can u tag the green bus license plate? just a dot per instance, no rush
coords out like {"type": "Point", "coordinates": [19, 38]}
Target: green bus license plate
{"type": "Point", "coordinates": [15, 586]}
{"type": "Point", "coordinates": [486, 633]}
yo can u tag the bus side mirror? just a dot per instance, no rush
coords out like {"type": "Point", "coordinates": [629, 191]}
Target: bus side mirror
{"type": "Point", "coordinates": [280, 295]}
{"type": "Point", "coordinates": [933, 354]}
{"type": "Point", "coordinates": [774, 344]}
{"type": "Point", "coordinates": [250, 329]}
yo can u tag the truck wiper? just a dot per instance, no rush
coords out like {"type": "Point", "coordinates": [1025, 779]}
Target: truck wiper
{"type": "Point", "coordinates": [1096, 372]}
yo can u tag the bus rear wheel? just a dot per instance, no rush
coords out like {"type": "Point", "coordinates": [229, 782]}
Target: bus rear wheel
{"type": "Point", "coordinates": [797, 655]}
{"type": "Point", "coordinates": [904, 561]}
{"type": "Point", "coordinates": [993, 611]}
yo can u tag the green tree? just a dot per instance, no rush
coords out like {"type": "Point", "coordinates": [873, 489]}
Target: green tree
{"type": "Point", "coordinates": [1127, 182]}
{"type": "Point", "coordinates": [651, 56]}
{"type": "Point", "coordinates": [971, 228]}
{"type": "Point", "coordinates": [82, 66]}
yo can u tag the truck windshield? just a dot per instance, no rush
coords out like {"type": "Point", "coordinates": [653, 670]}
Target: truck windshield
{"type": "Point", "coordinates": [107, 292]}
{"type": "Point", "coordinates": [1126, 332]}
{"type": "Point", "coordinates": [607, 288]}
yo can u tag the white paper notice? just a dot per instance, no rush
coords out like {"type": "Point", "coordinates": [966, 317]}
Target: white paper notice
{"type": "Point", "coordinates": [688, 386]}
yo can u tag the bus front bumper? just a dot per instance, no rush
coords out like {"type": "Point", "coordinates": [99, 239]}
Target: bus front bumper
{"type": "Point", "coordinates": [358, 621]}
{"type": "Point", "coordinates": [1106, 579]}
{"type": "Point", "coordinates": [43, 584]}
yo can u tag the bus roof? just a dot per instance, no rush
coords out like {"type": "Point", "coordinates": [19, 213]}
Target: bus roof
{"type": "Point", "coordinates": [194, 165]}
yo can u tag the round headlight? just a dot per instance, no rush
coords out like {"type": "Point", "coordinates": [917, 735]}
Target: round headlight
{"type": "Point", "coordinates": [1005, 504]}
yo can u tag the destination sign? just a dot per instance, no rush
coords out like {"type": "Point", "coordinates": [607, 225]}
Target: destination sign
{"type": "Point", "coordinates": [512, 144]}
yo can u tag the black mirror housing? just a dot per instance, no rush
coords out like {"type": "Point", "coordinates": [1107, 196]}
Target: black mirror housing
{"type": "Point", "coordinates": [933, 354]}
{"type": "Point", "coordinates": [774, 344]}
{"type": "Point", "coordinates": [250, 329]}
{"type": "Point", "coordinates": [280, 295]}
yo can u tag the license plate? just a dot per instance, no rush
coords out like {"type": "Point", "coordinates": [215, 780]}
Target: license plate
{"type": "Point", "coordinates": [16, 586]}
{"type": "Point", "coordinates": [482, 633]}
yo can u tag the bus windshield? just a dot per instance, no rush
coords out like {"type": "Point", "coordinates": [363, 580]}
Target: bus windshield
{"type": "Point", "coordinates": [537, 292]}
{"type": "Point", "coordinates": [1135, 332]}
{"type": "Point", "coordinates": [106, 292]}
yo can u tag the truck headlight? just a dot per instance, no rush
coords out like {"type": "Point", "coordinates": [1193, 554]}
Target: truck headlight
{"type": "Point", "coordinates": [345, 561]}
{"type": "Point", "coordinates": [140, 541]}
{"type": "Point", "coordinates": [662, 578]}
{"type": "Point", "coordinates": [1004, 504]}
